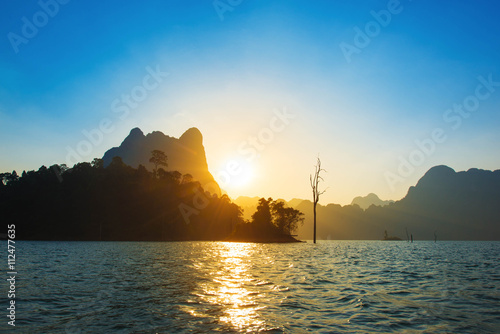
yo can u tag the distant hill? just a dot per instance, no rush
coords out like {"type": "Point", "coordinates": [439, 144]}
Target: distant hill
{"type": "Point", "coordinates": [186, 154]}
{"type": "Point", "coordinates": [369, 200]}
{"type": "Point", "coordinates": [463, 205]}
{"type": "Point", "coordinates": [109, 200]}
{"type": "Point", "coordinates": [245, 201]}
{"type": "Point", "coordinates": [295, 202]}
{"type": "Point", "coordinates": [455, 206]}
{"type": "Point", "coordinates": [248, 204]}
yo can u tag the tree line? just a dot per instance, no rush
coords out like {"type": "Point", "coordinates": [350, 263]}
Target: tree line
{"type": "Point", "coordinates": [119, 202]}
{"type": "Point", "coordinates": [272, 221]}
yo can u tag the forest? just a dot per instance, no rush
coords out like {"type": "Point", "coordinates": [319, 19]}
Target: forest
{"type": "Point", "coordinates": [121, 203]}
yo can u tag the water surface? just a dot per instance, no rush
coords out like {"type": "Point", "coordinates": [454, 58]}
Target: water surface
{"type": "Point", "coordinates": [203, 287]}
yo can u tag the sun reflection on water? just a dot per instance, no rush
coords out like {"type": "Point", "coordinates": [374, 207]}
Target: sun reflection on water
{"type": "Point", "coordinates": [229, 287]}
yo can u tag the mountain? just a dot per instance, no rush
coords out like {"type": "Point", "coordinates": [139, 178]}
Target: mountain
{"type": "Point", "coordinates": [369, 200]}
{"type": "Point", "coordinates": [464, 205]}
{"type": "Point", "coordinates": [294, 202]}
{"type": "Point", "coordinates": [186, 154]}
{"type": "Point", "coordinates": [452, 205]}
{"type": "Point", "coordinates": [248, 204]}
{"type": "Point", "coordinates": [245, 201]}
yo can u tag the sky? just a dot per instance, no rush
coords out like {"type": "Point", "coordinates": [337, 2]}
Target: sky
{"type": "Point", "coordinates": [381, 91]}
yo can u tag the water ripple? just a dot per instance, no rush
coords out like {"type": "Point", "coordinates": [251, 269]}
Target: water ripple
{"type": "Point", "coordinates": [202, 287]}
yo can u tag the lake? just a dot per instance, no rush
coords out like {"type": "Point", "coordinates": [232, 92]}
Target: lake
{"type": "Point", "coordinates": [203, 287]}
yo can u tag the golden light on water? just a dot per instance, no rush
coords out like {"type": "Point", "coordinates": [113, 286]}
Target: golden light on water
{"type": "Point", "coordinates": [229, 287]}
{"type": "Point", "coordinates": [232, 290]}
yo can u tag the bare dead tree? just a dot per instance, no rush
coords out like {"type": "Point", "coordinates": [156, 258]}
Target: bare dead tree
{"type": "Point", "coordinates": [315, 189]}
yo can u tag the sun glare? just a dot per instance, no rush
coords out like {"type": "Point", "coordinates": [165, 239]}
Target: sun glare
{"type": "Point", "coordinates": [235, 174]}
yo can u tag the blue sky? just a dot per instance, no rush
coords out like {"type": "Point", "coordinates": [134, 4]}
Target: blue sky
{"type": "Point", "coordinates": [227, 77]}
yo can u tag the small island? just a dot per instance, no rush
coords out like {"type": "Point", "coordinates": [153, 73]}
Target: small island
{"type": "Point", "coordinates": [271, 223]}
{"type": "Point", "coordinates": [388, 237]}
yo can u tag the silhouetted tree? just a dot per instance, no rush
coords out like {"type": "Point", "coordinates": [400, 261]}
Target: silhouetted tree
{"type": "Point", "coordinates": [271, 222]}
{"type": "Point", "coordinates": [314, 179]}
{"type": "Point", "coordinates": [142, 172]}
{"type": "Point", "coordinates": [187, 178]}
{"type": "Point", "coordinates": [158, 158]}
{"type": "Point", "coordinates": [3, 179]}
{"type": "Point", "coordinates": [286, 219]}
{"type": "Point", "coordinates": [162, 174]}
{"type": "Point", "coordinates": [113, 203]}
{"type": "Point", "coordinates": [175, 176]}
{"type": "Point", "coordinates": [9, 177]}
{"type": "Point", "coordinates": [116, 163]}
{"type": "Point", "coordinates": [262, 216]}
{"type": "Point", "coordinates": [97, 163]}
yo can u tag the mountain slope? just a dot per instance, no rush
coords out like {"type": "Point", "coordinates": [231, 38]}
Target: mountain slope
{"type": "Point", "coordinates": [369, 200]}
{"type": "Point", "coordinates": [186, 154]}
{"type": "Point", "coordinates": [455, 206]}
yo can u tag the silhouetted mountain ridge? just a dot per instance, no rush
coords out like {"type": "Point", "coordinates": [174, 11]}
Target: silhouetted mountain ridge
{"type": "Point", "coordinates": [454, 205]}
{"type": "Point", "coordinates": [369, 200]}
{"type": "Point", "coordinates": [443, 182]}
{"type": "Point", "coordinates": [186, 154]}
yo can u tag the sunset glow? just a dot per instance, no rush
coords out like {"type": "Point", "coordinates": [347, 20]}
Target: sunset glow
{"type": "Point", "coordinates": [272, 85]}
{"type": "Point", "coordinates": [235, 175]}
{"type": "Point", "coordinates": [231, 166]}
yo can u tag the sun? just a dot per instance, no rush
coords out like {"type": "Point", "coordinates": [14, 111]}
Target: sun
{"type": "Point", "coordinates": [235, 174]}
